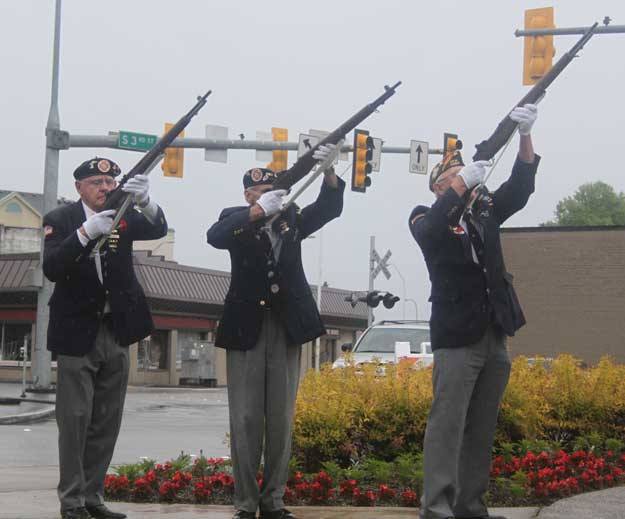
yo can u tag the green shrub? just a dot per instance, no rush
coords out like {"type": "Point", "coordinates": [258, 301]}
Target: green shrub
{"type": "Point", "coordinates": [351, 414]}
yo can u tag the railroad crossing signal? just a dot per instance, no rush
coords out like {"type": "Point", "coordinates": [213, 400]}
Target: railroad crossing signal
{"type": "Point", "coordinates": [382, 264]}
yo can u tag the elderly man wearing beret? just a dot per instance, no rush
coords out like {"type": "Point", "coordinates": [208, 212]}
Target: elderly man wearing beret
{"type": "Point", "coordinates": [269, 312]}
{"type": "Point", "coordinates": [91, 325]}
{"type": "Point", "coordinates": [474, 307]}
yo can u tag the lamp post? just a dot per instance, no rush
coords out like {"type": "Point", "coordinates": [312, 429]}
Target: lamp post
{"type": "Point", "coordinates": [403, 283]}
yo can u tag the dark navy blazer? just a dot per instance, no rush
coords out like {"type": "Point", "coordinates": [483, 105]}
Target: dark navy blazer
{"type": "Point", "coordinates": [466, 296]}
{"type": "Point", "coordinates": [259, 282]}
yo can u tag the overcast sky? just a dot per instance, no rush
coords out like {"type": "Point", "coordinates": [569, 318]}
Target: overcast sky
{"type": "Point", "coordinates": [134, 64]}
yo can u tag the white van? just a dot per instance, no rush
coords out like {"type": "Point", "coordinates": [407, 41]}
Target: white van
{"type": "Point", "coordinates": [378, 342]}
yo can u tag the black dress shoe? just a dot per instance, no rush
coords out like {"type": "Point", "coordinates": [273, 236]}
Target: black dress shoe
{"type": "Point", "coordinates": [242, 514]}
{"type": "Point", "coordinates": [102, 512]}
{"type": "Point", "coordinates": [277, 514]}
{"type": "Point", "coordinates": [75, 513]}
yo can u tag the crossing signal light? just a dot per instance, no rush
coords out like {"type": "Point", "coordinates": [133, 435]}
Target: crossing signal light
{"type": "Point", "coordinates": [389, 300]}
{"type": "Point", "coordinates": [373, 299]}
{"type": "Point", "coordinates": [538, 51]}
{"type": "Point", "coordinates": [279, 157]}
{"type": "Point", "coordinates": [173, 162]}
{"type": "Point", "coordinates": [361, 165]}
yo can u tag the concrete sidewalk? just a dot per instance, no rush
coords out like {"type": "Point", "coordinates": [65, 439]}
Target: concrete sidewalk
{"type": "Point", "coordinates": [24, 412]}
{"type": "Point", "coordinates": [44, 505]}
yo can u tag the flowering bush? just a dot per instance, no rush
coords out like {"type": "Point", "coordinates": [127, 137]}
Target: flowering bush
{"type": "Point", "coordinates": [352, 413]}
{"type": "Point", "coordinates": [533, 478]}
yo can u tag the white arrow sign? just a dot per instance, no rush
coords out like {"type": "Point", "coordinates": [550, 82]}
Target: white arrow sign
{"type": "Point", "coordinates": [306, 143]}
{"type": "Point", "coordinates": [419, 157]}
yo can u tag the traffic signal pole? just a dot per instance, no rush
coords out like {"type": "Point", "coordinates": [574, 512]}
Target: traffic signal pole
{"type": "Point", "coordinates": [41, 369]}
{"type": "Point", "coordinates": [371, 277]}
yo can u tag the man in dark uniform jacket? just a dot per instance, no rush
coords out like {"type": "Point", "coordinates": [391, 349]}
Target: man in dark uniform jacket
{"type": "Point", "coordinates": [474, 307]}
{"type": "Point", "coordinates": [269, 312]}
{"type": "Point", "coordinates": [91, 325]}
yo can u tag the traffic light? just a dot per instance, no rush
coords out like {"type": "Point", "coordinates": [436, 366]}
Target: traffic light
{"type": "Point", "coordinates": [389, 300]}
{"type": "Point", "coordinates": [451, 143]}
{"type": "Point", "coordinates": [361, 166]}
{"type": "Point", "coordinates": [173, 162]}
{"type": "Point", "coordinates": [538, 50]}
{"type": "Point", "coordinates": [373, 299]}
{"type": "Point", "coordinates": [280, 157]}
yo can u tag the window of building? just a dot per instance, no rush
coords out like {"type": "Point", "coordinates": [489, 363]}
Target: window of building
{"type": "Point", "coordinates": [152, 354]}
{"type": "Point", "coordinates": [12, 337]}
{"type": "Point", "coordinates": [13, 207]}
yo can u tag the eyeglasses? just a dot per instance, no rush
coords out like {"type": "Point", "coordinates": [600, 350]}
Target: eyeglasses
{"type": "Point", "coordinates": [110, 182]}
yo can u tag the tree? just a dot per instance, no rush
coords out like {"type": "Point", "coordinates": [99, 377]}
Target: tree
{"type": "Point", "coordinates": [595, 203]}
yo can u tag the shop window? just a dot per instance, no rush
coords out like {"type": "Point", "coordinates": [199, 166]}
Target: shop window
{"type": "Point", "coordinates": [153, 351]}
{"type": "Point", "coordinates": [12, 337]}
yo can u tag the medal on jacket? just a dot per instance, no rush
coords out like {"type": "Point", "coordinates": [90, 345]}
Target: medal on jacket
{"type": "Point", "coordinates": [113, 240]}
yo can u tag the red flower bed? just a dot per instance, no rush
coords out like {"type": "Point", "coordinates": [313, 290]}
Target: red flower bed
{"type": "Point", "coordinates": [560, 474]}
{"type": "Point", "coordinates": [539, 478]}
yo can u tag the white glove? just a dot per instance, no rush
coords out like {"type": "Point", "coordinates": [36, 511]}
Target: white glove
{"type": "Point", "coordinates": [473, 173]}
{"type": "Point", "coordinates": [525, 116]}
{"type": "Point", "coordinates": [324, 151]}
{"type": "Point", "coordinates": [138, 186]}
{"type": "Point", "coordinates": [271, 201]}
{"type": "Point", "coordinates": [98, 224]}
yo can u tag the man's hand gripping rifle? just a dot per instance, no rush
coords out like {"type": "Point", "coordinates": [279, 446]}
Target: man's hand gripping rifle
{"type": "Point", "coordinates": [121, 201]}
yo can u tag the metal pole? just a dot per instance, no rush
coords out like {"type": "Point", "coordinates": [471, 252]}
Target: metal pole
{"type": "Point", "coordinates": [403, 282]}
{"type": "Point", "coordinates": [561, 31]}
{"type": "Point", "coordinates": [41, 361]}
{"type": "Point", "coordinates": [319, 282]}
{"type": "Point", "coordinates": [371, 268]}
{"type": "Point", "coordinates": [25, 359]}
{"type": "Point", "coordinates": [110, 141]}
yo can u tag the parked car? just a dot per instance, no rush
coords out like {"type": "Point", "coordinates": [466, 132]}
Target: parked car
{"type": "Point", "coordinates": [377, 343]}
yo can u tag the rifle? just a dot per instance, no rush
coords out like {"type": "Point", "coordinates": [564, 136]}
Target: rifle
{"type": "Point", "coordinates": [117, 199]}
{"type": "Point", "coordinates": [487, 149]}
{"type": "Point", "coordinates": [305, 163]}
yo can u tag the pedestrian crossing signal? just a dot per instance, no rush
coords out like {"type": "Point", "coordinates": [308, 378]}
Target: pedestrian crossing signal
{"type": "Point", "coordinates": [361, 165]}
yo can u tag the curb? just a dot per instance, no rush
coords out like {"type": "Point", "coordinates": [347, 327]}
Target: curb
{"type": "Point", "coordinates": [176, 389]}
{"type": "Point", "coordinates": [26, 418]}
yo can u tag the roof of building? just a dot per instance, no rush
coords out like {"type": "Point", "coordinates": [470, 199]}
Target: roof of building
{"type": "Point", "coordinates": [565, 228]}
{"type": "Point", "coordinates": [169, 281]}
{"type": "Point", "coordinates": [35, 200]}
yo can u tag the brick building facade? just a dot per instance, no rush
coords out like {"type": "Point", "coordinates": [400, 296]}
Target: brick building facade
{"type": "Point", "coordinates": [571, 283]}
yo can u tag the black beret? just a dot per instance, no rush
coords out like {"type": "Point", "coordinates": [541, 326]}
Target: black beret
{"type": "Point", "coordinates": [258, 176]}
{"type": "Point", "coordinates": [96, 166]}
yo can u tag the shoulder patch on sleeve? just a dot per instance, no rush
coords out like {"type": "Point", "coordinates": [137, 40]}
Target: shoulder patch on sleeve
{"type": "Point", "coordinates": [418, 212]}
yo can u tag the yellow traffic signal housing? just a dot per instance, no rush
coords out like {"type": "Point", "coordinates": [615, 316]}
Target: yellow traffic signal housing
{"type": "Point", "coordinates": [451, 143]}
{"type": "Point", "coordinates": [279, 157]}
{"type": "Point", "coordinates": [538, 50]}
{"type": "Point", "coordinates": [173, 162]}
{"type": "Point", "coordinates": [361, 165]}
